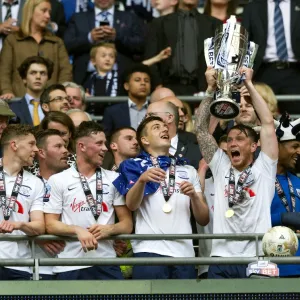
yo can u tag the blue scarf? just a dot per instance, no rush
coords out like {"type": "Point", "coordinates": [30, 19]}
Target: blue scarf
{"type": "Point", "coordinates": [131, 169]}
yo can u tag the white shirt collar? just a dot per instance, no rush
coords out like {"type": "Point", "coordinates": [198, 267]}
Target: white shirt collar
{"type": "Point", "coordinates": [131, 103]}
{"type": "Point", "coordinates": [174, 142]}
{"type": "Point", "coordinates": [29, 98]}
{"type": "Point", "coordinates": [99, 10]}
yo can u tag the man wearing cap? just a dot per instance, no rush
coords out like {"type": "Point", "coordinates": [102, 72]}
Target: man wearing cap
{"type": "Point", "coordinates": [5, 114]}
{"type": "Point", "coordinates": [285, 208]}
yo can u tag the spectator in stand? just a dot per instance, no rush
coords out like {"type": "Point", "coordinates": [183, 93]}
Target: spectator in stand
{"type": "Point", "coordinates": [5, 115]}
{"type": "Point", "coordinates": [131, 113]}
{"type": "Point", "coordinates": [164, 7]}
{"type": "Point", "coordinates": [32, 39]}
{"type": "Point", "coordinates": [35, 72]}
{"type": "Point", "coordinates": [78, 116]}
{"type": "Point", "coordinates": [184, 31]}
{"type": "Point", "coordinates": [244, 186]}
{"type": "Point", "coordinates": [268, 95]}
{"type": "Point", "coordinates": [220, 9]}
{"type": "Point", "coordinates": [77, 95]}
{"type": "Point", "coordinates": [103, 24]}
{"type": "Point", "coordinates": [275, 27]}
{"type": "Point", "coordinates": [66, 214]}
{"type": "Point", "coordinates": [158, 210]}
{"type": "Point", "coordinates": [188, 117]}
{"type": "Point", "coordinates": [161, 93]}
{"type": "Point", "coordinates": [55, 98]}
{"type": "Point", "coordinates": [11, 18]}
{"type": "Point", "coordinates": [76, 6]}
{"type": "Point", "coordinates": [24, 213]}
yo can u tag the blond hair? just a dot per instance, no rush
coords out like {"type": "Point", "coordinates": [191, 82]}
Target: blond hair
{"type": "Point", "coordinates": [94, 50]}
{"type": "Point", "coordinates": [268, 95]}
{"type": "Point", "coordinates": [27, 14]}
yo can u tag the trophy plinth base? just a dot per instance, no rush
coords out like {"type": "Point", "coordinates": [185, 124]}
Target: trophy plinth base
{"type": "Point", "coordinates": [224, 108]}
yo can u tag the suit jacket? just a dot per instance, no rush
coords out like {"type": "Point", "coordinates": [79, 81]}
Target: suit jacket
{"type": "Point", "coordinates": [116, 116]}
{"type": "Point", "coordinates": [70, 7]}
{"type": "Point", "coordinates": [255, 20]}
{"type": "Point", "coordinates": [19, 18]}
{"type": "Point", "coordinates": [20, 108]}
{"type": "Point", "coordinates": [163, 33]}
{"type": "Point", "coordinates": [129, 40]}
{"type": "Point", "coordinates": [58, 17]}
{"type": "Point", "coordinates": [188, 147]}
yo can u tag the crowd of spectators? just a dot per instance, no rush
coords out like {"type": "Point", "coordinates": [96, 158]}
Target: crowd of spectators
{"type": "Point", "coordinates": [173, 166]}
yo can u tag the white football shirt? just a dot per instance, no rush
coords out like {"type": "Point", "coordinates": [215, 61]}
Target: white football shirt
{"type": "Point", "coordinates": [252, 215]}
{"type": "Point", "coordinates": [68, 199]}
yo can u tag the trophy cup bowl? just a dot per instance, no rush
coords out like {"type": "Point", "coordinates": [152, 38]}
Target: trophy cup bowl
{"type": "Point", "coordinates": [227, 99]}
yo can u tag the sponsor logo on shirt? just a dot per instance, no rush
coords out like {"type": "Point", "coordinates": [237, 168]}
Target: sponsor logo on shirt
{"type": "Point", "coordinates": [183, 175]}
{"type": "Point", "coordinates": [79, 206]}
{"type": "Point", "coordinates": [25, 190]}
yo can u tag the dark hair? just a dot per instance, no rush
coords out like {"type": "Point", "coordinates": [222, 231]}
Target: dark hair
{"type": "Point", "coordinates": [15, 130]}
{"type": "Point", "coordinates": [222, 139]}
{"type": "Point", "coordinates": [231, 7]}
{"type": "Point", "coordinates": [247, 130]}
{"type": "Point", "coordinates": [141, 130]}
{"type": "Point", "coordinates": [25, 65]}
{"type": "Point", "coordinates": [86, 128]}
{"type": "Point", "coordinates": [41, 136]}
{"type": "Point", "coordinates": [61, 118]}
{"type": "Point", "coordinates": [135, 69]}
{"type": "Point", "coordinates": [116, 133]}
{"type": "Point", "coordinates": [45, 95]}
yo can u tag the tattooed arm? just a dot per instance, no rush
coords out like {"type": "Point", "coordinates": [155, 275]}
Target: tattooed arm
{"type": "Point", "coordinates": [207, 143]}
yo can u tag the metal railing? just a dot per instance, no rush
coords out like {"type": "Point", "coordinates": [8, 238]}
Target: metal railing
{"type": "Point", "coordinates": [37, 262]}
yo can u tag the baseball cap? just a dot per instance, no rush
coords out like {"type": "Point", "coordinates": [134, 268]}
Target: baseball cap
{"type": "Point", "coordinates": [5, 110]}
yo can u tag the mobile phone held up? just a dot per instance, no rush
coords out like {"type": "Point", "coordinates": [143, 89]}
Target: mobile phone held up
{"type": "Point", "coordinates": [103, 23]}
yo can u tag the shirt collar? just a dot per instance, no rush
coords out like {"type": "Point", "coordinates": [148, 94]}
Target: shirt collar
{"type": "Point", "coordinates": [174, 142]}
{"type": "Point", "coordinates": [99, 10]}
{"type": "Point", "coordinates": [132, 104]}
{"type": "Point", "coordinates": [29, 98]}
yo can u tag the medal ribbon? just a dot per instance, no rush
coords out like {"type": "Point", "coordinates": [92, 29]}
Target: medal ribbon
{"type": "Point", "coordinates": [235, 191]}
{"type": "Point", "coordinates": [7, 207]}
{"type": "Point", "coordinates": [282, 196]}
{"type": "Point", "coordinates": [95, 205]}
{"type": "Point", "coordinates": [167, 192]}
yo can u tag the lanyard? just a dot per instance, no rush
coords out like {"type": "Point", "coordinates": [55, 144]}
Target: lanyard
{"type": "Point", "coordinates": [115, 168]}
{"type": "Point", "coordinates": [46, 188]}
{"type": "Point", "coordinates": [95, 205]}
{"type": "Point", "coordinates": [7, 208]}
{"type": "Point", "coordinates": [282, 196]}
{"type": "Point", "coordinates": [167, 192]}
{"type": "Point", "coordinates": [235, 194]}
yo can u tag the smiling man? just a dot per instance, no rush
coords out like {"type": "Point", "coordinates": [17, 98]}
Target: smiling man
{"type": "Point", "coordinates": [285, 208]}
{"type": "Point", "coordinates": [163, 191]}
{"type": "Point", "coordinates": [55, 98]}
{"type": "Point", "coordinates": [244, 187]}
{"type": "Point", "coordinates": [35, 72]}
{"type": "Point", "coordinates": [83, 202]}
{"type": "Point", "coordinates": [21, 211]}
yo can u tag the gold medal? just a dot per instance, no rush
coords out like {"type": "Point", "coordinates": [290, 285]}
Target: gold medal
{"type": "Point", "coordinates": [167, 208]}
{"type": "Point", "coordinates": [229, 213]}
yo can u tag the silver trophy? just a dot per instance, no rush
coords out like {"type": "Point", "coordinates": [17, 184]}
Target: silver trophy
{"type": "Point", "coordinates": [227, 52]}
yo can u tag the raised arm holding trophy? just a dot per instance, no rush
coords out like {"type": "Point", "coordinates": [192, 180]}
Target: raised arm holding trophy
{"type": "Point", "coordinates": [227, 52]}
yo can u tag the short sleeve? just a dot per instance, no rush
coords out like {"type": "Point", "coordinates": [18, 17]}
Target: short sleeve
{"type": "Point", "coordinates": [37, 201]}
{"type": "Point", "coordinates": [266, 165]}
{"type": "Point", "coordinates": [118, 199]}
{"type": "Point", "coordinates": [219, 161]}
{"type": "Point", "coordinates": [55, 203]}
{"type": "Point", "coordinates": [195, 180]}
